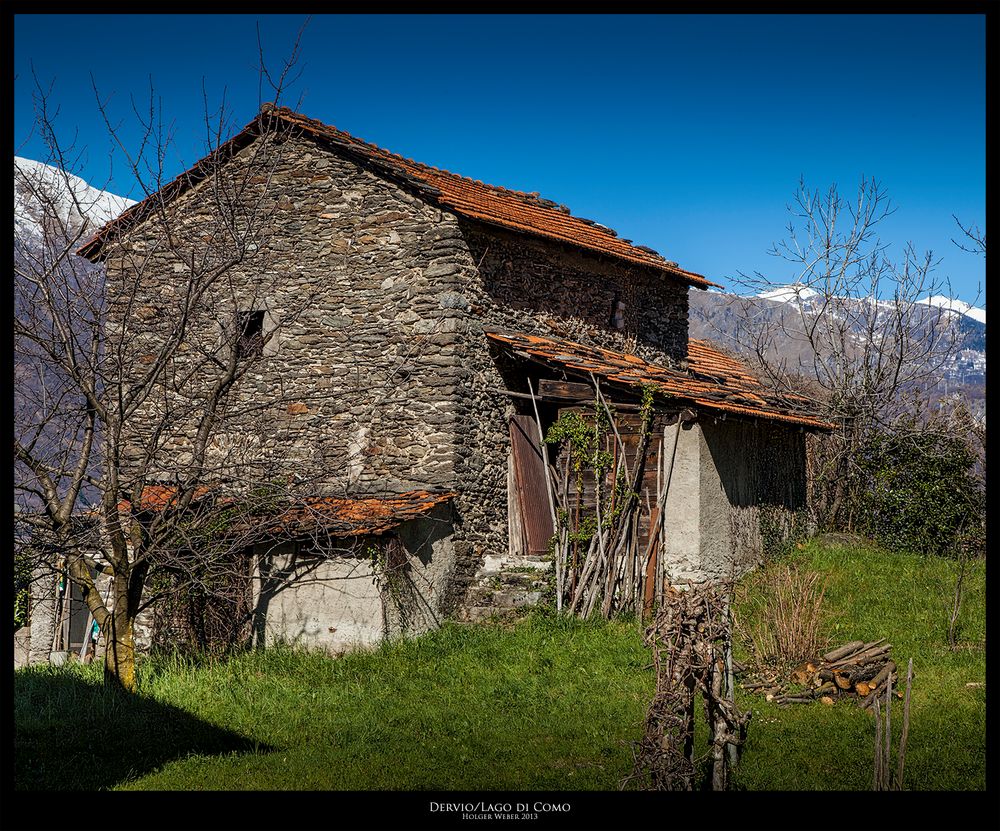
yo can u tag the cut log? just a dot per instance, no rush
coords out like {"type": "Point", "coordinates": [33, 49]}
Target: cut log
{"type": "Point", "coordinates": [864, 656]}
{"type": "Point", "coordinates": [865, 672]}
{"type": "Point", "coordinates": [843, 651]}
{"type": "Point", "coordinates": [841, 680]}
{"type": "Point", "coordinates": [802, 674]}
{"type": "Point", "coordinates": [879, 679]}
{"type": "Point", "coordinates": [826, 700]}
{"type": "Point", "coordinates": [861, 688]}
{"type": "Point", "coordinates": [877, 691]}
{"type": "Point", "coordinates": [826, 689]}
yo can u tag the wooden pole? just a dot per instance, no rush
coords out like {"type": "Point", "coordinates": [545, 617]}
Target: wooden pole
{"type": "Point", "coordinates": [888, 734]}
{"type": "Point", "coordinates": [56, 617]}
{"type": "Point", "coordinates": [64, 620]}
{"type": "Point", "coordinates": [877, 782]}
{"type": "Point", "coordinates": [731, 750]}
{"type": "Point", "coordinates": [86, 635]}
{"type": "Point", "coordinates": [906, 727]}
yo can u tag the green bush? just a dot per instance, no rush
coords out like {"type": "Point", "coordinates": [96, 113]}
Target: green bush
{"type": "Point", "coordinates": [919, 492]}
{"type": "Point", "coordinates": [22, 580]}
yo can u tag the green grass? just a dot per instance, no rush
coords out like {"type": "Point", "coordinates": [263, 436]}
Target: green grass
{"type": "Point", "coordinates": [907, 599]}
{"type": "Point", "coordinates": [546, 704]}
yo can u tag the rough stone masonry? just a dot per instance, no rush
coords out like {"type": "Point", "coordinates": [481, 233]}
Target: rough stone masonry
{"type": "Point", "coordinates": [376, 376]}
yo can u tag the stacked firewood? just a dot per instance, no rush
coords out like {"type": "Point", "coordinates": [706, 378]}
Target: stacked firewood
{"type": "Point", "coordinates": [856, 670]}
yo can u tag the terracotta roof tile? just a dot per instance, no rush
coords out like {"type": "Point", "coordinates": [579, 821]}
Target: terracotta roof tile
{"type": "Point", "coordinates": [714, 381]}
{"type": "Point", "coordinates": [334, 516]}
{"type": "Point", "coordinates": [158, 497]}
{"type": "Point", "coordinates": [351, 517]}
{"type": "Point", "coordinates": [511, 209]}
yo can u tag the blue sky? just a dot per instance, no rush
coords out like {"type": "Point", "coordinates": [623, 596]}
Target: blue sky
{"type": "Point", "coordinates": [687, 133]}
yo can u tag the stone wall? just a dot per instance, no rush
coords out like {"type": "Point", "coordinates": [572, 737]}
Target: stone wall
{"type": "Point", "coordinates": [526, 281]}
{"type": "Point", "coordinates": [353, 391]}
{"type": "Point", "coordinates": [376, 376]}
{"type": "Point", "coordinates": [531, 285]}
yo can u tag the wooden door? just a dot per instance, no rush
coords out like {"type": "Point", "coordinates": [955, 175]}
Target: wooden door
{"type": "Point", "coordinates": [532, 501]}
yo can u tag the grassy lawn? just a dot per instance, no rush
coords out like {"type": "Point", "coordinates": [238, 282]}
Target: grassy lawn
{"type": "Point", "coordinates": [905, 598]}
{"type": "Point", "coordinates": [546, 704]}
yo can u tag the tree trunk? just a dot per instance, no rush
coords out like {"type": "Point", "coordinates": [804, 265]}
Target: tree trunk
{"type": "Point", "coordinates": [119, 659]}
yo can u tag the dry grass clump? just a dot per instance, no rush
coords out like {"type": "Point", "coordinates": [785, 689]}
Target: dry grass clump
{"type": "Point", "coordinates": [780, 614]}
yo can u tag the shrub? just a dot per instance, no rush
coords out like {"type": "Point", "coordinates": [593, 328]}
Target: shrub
{"type": "Point", "coordinates": [919, 492]}
{"type": "Point", "coordinates": [22, 581]}
{"type": "Point", "coordinates": [779, 614]}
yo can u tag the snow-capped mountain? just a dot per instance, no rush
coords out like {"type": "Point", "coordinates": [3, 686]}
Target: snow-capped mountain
{"type": "Point", "coordinates": [796, 292]}
{"type": "Point", "coordinates": [47, 197]}
{"type": "Point", "coordinates": [720, 316]}
{"type": "Point", "coordinates": [956, 307]}
{"type": "Point", "coordinates": [804, 295]}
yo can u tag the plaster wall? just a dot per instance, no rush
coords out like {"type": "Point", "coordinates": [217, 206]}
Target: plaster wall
{"type": "Point", "coordinates": [682, 511]}
{"type": "Point", "coordinates": [348, 599]}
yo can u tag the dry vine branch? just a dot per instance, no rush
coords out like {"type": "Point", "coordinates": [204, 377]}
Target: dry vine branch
{"type": "Point", "coordinates": [690, 639]}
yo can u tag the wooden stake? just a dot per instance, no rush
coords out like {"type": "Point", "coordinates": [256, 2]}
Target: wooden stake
{"type": "Point", "coordinates": [888, 734]}
{"type": "Point", "coordinates": [906, 727]}
{"type": "Point", "coordinates": [877, 782]}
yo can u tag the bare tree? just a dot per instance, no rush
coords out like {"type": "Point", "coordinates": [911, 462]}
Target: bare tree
{"type": "Point", "coordinates": [853, 338]}
{"type": "Point", "coordinates": [127, 462]}
{"type": "Point", "coordinates": [975, 240]}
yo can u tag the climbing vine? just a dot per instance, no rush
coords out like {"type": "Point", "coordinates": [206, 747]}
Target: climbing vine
{"type": "Point", "coordinates": [596, 548]}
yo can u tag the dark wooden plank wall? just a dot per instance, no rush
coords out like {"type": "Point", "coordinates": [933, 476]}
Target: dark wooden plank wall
{"type": "Point", "coordinates": [628, 428]}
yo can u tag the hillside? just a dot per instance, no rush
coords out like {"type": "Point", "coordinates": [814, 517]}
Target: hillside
{"type": "Point", "coordinates": [46, 197]}
{"type": "Point", "coordinates": [716, 316]}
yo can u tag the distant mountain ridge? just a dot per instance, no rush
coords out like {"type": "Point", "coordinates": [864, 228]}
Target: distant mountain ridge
{"type": "Point", "coordinates": [715, 315]}
{"type": "Point", "coordinates": [47, 195]}
{"type": "Point", "coordinates": [956, 307]}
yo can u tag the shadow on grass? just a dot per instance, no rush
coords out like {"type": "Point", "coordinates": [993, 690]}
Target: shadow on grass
{"type": "Point", "coordinates": [73, 733]}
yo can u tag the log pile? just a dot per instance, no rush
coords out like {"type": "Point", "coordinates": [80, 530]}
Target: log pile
{"type": "Point", "coordinates": [857, 670]}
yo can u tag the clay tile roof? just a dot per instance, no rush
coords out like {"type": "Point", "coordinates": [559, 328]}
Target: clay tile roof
{"type": "Point", "coordinates": [352, 517]}
{"type": "Point", "coordinates": [514, 210]}
{"type": "Point", "coordinates": [713, 382]}
{"type": "Point", "coordinates": [158, 497]}
{"type": "Point", "coordinates": [332, 516]}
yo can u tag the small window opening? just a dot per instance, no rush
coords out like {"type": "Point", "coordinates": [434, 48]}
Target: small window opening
{"type": "Point", "coordinates": [250, 326]}
{"type": "Point", "coordinates": [618, 320]}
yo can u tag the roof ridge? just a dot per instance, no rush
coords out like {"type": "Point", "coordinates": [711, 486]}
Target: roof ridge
{"type": "Point", "coordinates": [530, 197]}
{"type": "Point", "coordinates": [287, 111]}
{"type": "Point", "coordinates": [513, 210]}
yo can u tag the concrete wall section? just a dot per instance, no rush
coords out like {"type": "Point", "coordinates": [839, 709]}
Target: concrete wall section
{"type": "Point", "coordinates": [753, 483]}
{"type": "Point", "coordinates": [736, 486]}
{"type": "Point", "coordinates": [374, 588]}
{"type": "Point", "coordinates": [681, 516]}
{"type": "Point", "coordinates": [332, 604]}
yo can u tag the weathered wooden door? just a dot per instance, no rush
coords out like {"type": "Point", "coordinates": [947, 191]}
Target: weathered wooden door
{"type": "Point", "coordinates": [530, 499]}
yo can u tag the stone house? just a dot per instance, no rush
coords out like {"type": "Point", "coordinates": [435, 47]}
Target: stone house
{"type": "Point", "coordinates": [445, 320]}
